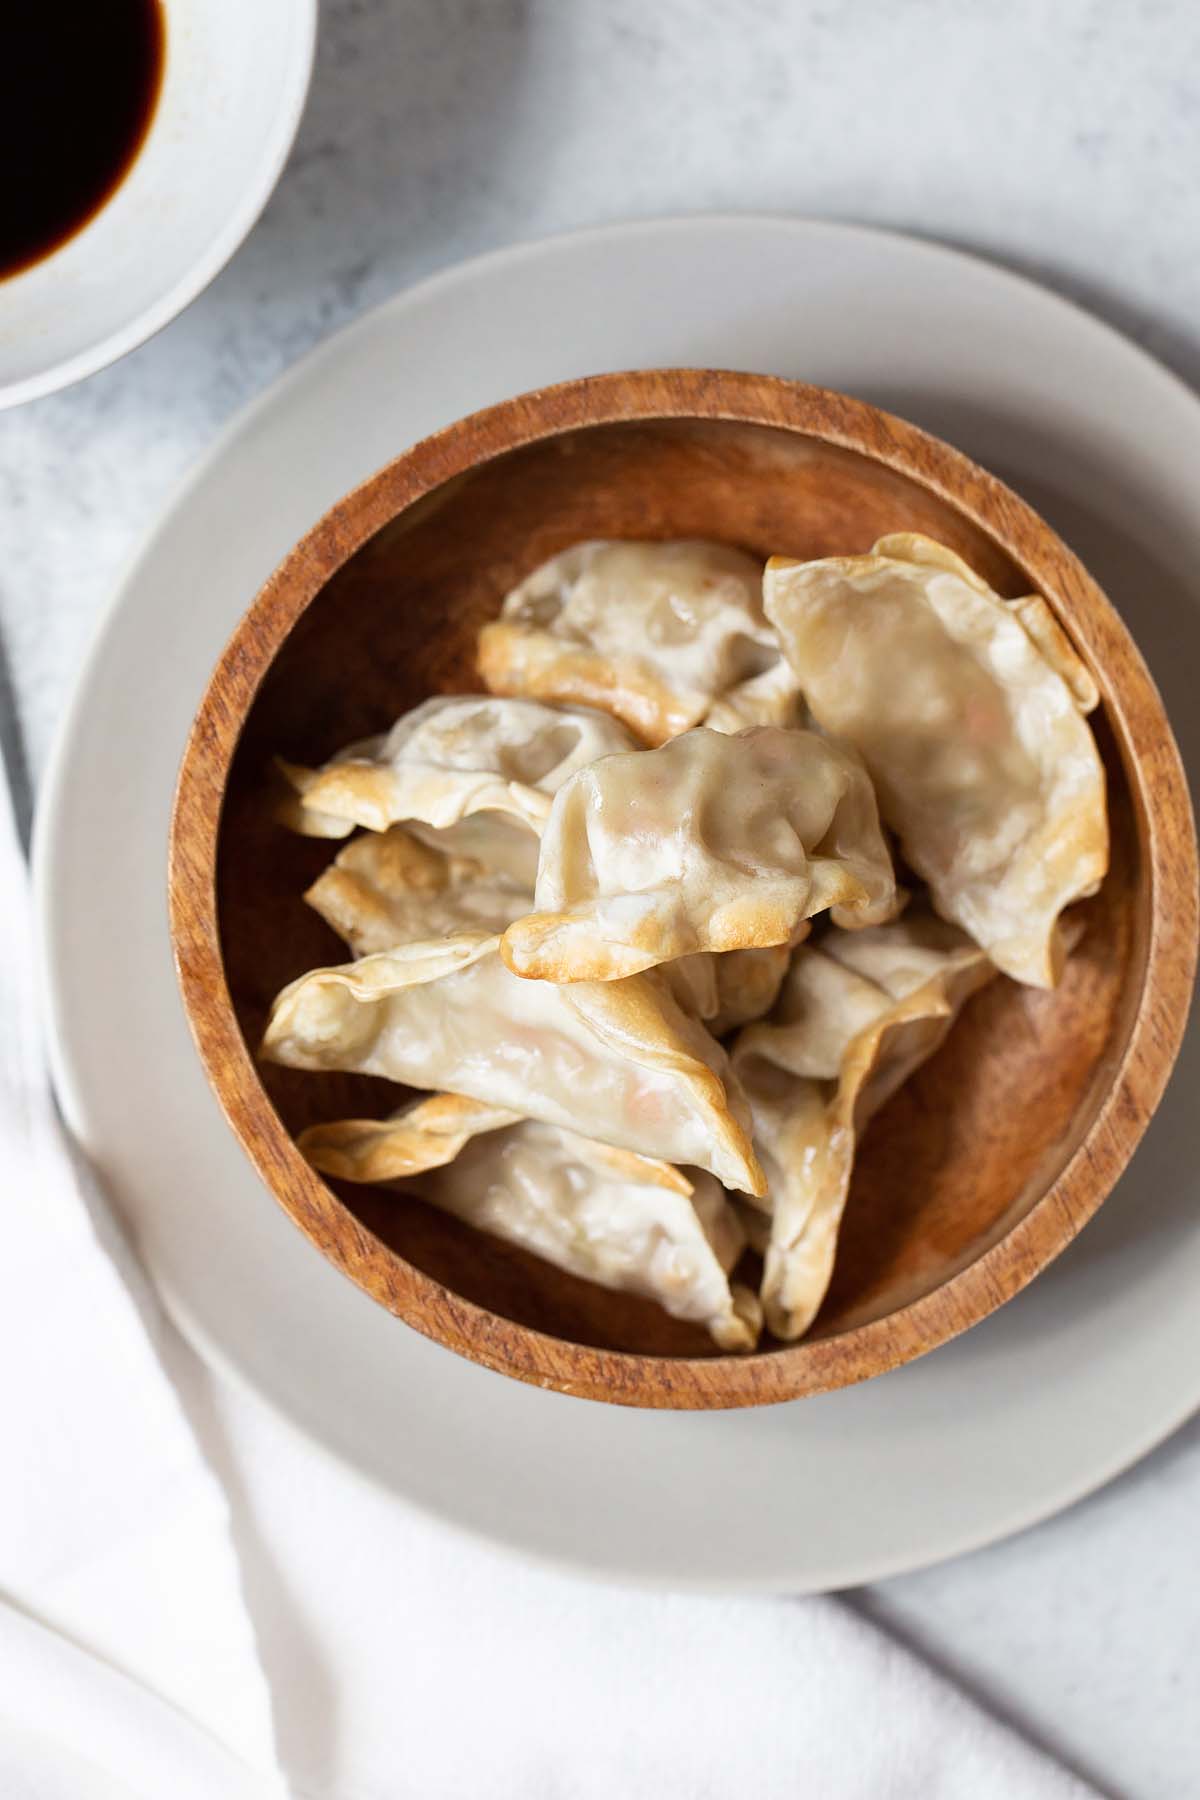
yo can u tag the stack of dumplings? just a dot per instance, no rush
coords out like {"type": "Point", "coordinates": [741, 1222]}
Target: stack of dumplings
{"type": "Point", "coordinates": [630, 919]}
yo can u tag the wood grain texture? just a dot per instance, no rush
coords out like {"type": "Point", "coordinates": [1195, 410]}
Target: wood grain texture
{"type": "Point", "coordinates": [978, 1172]}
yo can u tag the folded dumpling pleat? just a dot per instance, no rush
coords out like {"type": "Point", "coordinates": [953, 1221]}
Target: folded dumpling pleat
{"type": "Point", "coordinates": [392, 887]}
{"type": "Point", "coordinates": [748, 983]}
{"type": "Point", "coordinates": [625, 1221]}
{"type": "Point", "coordinates": [617, 1060]}
{"type": "Point", "coordinates": [732, 988]}
{"type": "Point", "coordinates": [712, 842]}
{"type": "Point", "coordinates": [969, 712]}
{"type": "Point", "coordinates": [452, 757]}
{"type": "Point", "coordinates": [424, 1135]}
{"type": "Point", "coordinates": [856, 1017]}
{"type": "Point", "coordinates": [659, 635]}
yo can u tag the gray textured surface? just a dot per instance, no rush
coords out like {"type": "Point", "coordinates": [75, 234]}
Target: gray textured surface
{"type": "Point", "coordinates": [1064, 141]}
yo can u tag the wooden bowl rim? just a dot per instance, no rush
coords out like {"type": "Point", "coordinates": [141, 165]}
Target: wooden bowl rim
{"type": "Point", "coordinates": [1167, 832]}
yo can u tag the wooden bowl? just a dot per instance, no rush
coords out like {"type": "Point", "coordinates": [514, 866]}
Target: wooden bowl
{"type": "Point", "coordinates": [978, 1172]}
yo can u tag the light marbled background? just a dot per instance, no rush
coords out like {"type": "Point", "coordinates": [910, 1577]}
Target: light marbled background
{"type": "Point", "coordinates": [1061, 139]}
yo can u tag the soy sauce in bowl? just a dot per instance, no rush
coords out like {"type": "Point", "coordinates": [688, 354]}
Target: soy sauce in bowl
{"type": "Point", "coordinates": [79, 83]}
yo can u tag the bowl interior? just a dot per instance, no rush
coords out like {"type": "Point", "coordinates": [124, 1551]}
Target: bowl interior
{"type": "Point", "coordinates": [962, 1151]}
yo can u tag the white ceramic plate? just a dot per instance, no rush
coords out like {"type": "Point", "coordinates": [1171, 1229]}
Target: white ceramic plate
{"type": "Point", "coordinates": [1069, 1383]}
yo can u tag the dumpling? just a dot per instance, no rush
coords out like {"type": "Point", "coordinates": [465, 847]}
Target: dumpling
{"type": "Point", "coordinates": [748, 983]}
{"type": "Point", "coordinates": [624, 1221]}
{"type": "Point", "coordinates": [619, 1060]}
{"type": "Point", "coordinates": [294, 784]}
{"type": "Point", "coordinates": [452, 756]}
{"type": "Point", "coordinates": [857, 1016]}
{"type": "Point", "coordinates": [1035, 615]}
{"type": "Point", "coordinates": [968, 711]}
{"type": "Point", "coordinates": [709, 843]}
{"type": "Point", "coordinates": [388, 888]}
{"type": "Point", "coordinates": [656, 634]}
{"type": "Point", "coordinates": [424, 1135]}
{"type": "Point", "coordinates": [500, 843]}
{"type": "Point", "coordinates": [732, 988]}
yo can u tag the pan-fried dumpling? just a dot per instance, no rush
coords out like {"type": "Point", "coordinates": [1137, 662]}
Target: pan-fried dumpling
{"type": "Point", "coordinates": [733, 988]}
{"type": "Point", "coordinates": [388, 888]}
{"type": "Point", "coordinates": [624, 1221]}
{"type": "Point", "coordinates": [709, 843]}
{"type": "Point", "coordinates": [452, 756]}
{"type": "Point", "coordinates": [657, 634]}
{"type": "Point", "coordinates": [619, 1059]}
{"type": "Point", "coordinates": [748, 983]}
{"type": "Point", "coordinates": [294, 784]}
{"type": "Point", "coordinates": [501, 844]}
{"type": "Point", "coordinates": [1036, 617]}
{"type": "Point", "coordinates": [968, 711]}
{"type": "Point", "coordinates": [857, 1016]}
{"type": "Point", "coordinates": [425, 1134]}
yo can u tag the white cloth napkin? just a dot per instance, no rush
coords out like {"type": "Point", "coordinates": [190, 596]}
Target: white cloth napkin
{"type": "Point", "coordinates": [117, 1576]}
{"type": "Point", "coordinates": [408, 1660]}
{"type": "Point", "coordinates": [128, 1668]}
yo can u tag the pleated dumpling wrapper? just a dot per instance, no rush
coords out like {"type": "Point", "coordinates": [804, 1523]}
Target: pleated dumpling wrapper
{"type": "Point", "coordinates": [856, 1017]}
{"type": "Point", "coordinates": [969, 712]}
{"type": "Point", "coordinates": [619, 1060]}
{"type": "Point", "coordinates": [451, 757]}
{"type": "Point", "coordinates": [663, 636]}
{"type": "Point", "coordinates": [624, 1221]}
{"type": "Point", "coordinates": [733, 988]}
{"type": "Point", "coordinates": [391, 887]}
{"type": "Point", "coordinates": [711, 842]}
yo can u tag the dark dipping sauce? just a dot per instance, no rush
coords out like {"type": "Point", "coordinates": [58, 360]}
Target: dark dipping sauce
{"type": "Point", "coordinates": [79, 81]}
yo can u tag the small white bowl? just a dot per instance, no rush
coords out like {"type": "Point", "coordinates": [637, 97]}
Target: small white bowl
{"type": "Point", "coordinates": [235, 78]}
